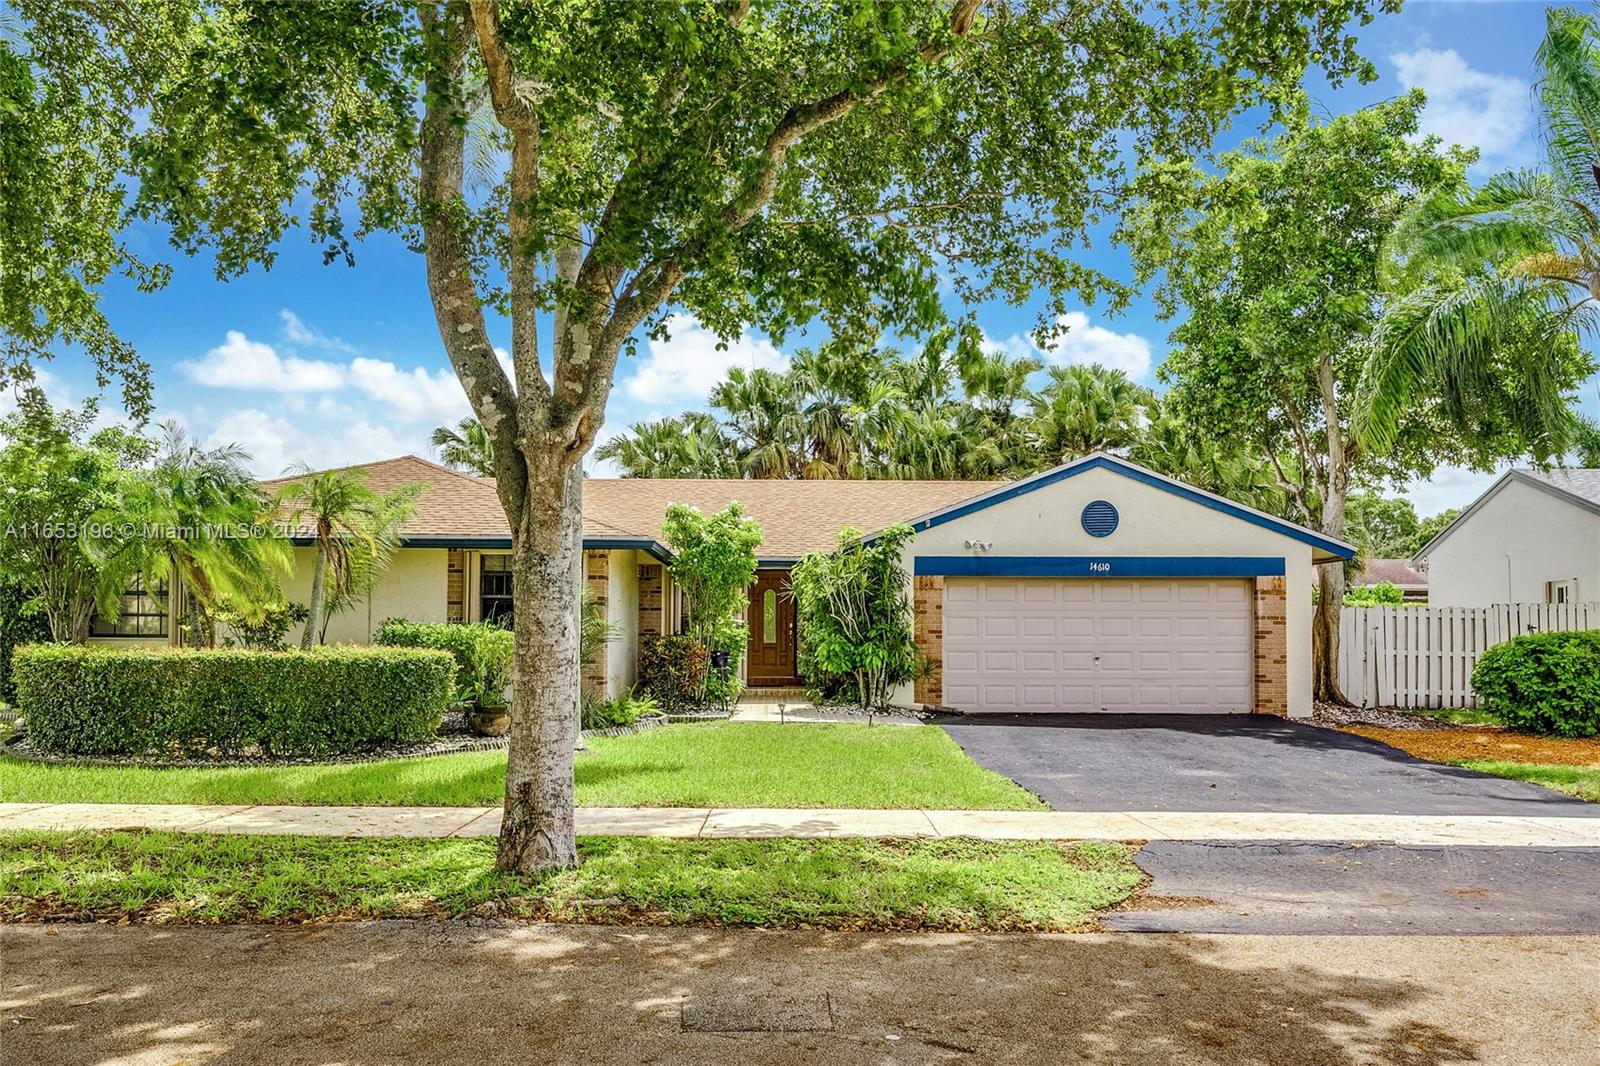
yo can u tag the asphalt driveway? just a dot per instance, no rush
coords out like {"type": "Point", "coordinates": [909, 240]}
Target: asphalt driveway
{"type": "Point", "coordinates": [1083, 762]}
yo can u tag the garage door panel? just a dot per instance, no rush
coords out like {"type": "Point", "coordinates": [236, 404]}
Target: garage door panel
{"type": "Point", "coordinates": [1033, 645]}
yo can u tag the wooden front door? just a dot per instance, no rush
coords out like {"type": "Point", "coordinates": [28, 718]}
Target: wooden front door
{"type": "Point", "coordinates": [772, 630]}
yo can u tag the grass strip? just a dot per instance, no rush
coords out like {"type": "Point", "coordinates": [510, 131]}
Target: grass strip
{"type": "Point", "coordinates": [159, 877]}
{"type": "Point", "coordinates": [733, 764]}
{"type": "Point", "coordinates": [1580, 781]}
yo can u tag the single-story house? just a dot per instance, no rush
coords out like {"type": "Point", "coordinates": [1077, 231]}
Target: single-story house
{"type": "Point", "coordinates": [1532, 537]}
{"type": "Point", "coordinates": [1404, 574]}
{"type": "Point", "coordinates": [1097, 586]}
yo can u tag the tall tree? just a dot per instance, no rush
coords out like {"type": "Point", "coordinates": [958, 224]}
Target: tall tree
{"type": "Point", "coordinates": [355, 530]}
{"type": "Point", "coordinates": [1085, 409]}
{"type": "Point", "coordinates": [755, 164]}
{"type": "Point", "coordinates": [1276, 259]}
{"type": "Point", "coordinates": [65, 490]}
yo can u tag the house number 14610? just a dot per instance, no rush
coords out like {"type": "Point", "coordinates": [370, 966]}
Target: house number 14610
{"type": "Point", "coordinates": [1099, 568]}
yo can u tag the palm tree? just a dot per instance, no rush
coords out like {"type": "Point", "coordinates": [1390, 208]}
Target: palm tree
{"type": "Point", "coordinates": [210, 510]}
{"type": "Point", "coordinates": [467, 447]}
{"type": "Point", "coordinates": [1495, 285]}
{"type": "Point", "coordinates": [356, 530]}
{"type": "Point", "coordinates": [1170, 446]}
{"type": "Point", "coordinates": [692, 444]}
{"type": "Point", "coordinates": [1086, 409]}
{"type": "Point", "coordinates": [765, 420]}
{"type": "Point", "coordinates": [996, 388]}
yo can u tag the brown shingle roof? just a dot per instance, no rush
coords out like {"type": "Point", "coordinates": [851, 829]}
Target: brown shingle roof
{"type": "Point", "coordinates": [1400, 572]}
{"type": "Point", "coordinates": [796, 516]}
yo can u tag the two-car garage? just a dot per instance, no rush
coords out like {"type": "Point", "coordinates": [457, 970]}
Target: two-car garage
{"type": "Point", "coordinates": [1103, 587]}
{"type": "Point", "coordinates": [1097, 645]}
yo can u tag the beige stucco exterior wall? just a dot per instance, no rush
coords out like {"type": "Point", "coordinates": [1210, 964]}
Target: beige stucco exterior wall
{"type": "Point", "coordinates": [1516, 540]}
{"type": "Point", "coordinates": [1153, 522]}
{"type": "Point", "coordinates": [413, 587]}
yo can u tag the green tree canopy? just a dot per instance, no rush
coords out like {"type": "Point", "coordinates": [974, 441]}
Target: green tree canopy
{"type": "Point", "coordinates": [595, 165]}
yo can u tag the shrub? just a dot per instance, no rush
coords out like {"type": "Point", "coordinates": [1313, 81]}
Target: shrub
{"type": "Point", "coordinates": [482, 650]}
{"type": "Point", "coordinates": [266, 632]}
{"type": "Point", "coordinates": [21, 622]}
{"type": "Point", "coordinates": [1383, 594]}
{"type": "Point", "coordinates": [855, 617]}
{"type": "Point", "coordinates": [672, 669]}
{"type": "Point", "coordinates": [1543, 683]}
{"type": "Point", "coordinates": [714, 562]}
{"type": "Point", "coordinates": [106, 701]}
{"type": "Point", "coordinates": [624, 710]}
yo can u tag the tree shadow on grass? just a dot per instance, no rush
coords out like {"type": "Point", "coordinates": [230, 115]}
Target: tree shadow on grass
{"type": "Point", "coordinates": [452, 992]}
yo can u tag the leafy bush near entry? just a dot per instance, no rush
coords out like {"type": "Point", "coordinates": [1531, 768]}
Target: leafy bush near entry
{"type": "Point", "coordinates": [856, 618]}
{"type": "Point", "coordinates": [106, 701]}
{"type": "Point", "coordinates": [672, 669]}
{"type": "Point", "coordinates": [483, 652]}
{"type": "Point", "coordinates": [1543, 683]}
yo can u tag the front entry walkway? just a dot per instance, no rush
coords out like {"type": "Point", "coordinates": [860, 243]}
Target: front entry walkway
{"type": "Point", "coordinates": [1227, 763]}
{"type": "Point", "coordinates": [754, 823]}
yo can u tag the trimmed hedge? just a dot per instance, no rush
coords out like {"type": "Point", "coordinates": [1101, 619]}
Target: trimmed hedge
{"type": "Point", "coordinates": [16, 629]}
{"type": "Point", "coordinates": [109, 701]}
{"type": "Point", "coordinates": [1543, 683]}
{"type": "Point", "coordinates": [483, 651]}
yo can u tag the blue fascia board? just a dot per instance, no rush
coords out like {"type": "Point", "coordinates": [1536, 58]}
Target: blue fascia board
{"type": "Point", "coordinates": [1100, 566]}
{"type": "Point", "coordinates": [652, 547]}
{"type": "Point", "coordinates": [1129, 470]}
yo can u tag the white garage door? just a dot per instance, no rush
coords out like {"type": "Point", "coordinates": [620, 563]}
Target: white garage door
{"type": "Point", "coordinates": [1118, 646]}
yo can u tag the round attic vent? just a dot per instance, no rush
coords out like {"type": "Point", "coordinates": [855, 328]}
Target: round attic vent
{"type": "Point", "coordinates": [1099, 519]}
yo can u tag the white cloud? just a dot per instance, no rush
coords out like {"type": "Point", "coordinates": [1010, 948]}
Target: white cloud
{"type": "Point", "coordinates": [296, 331]}
{"type": "Point", "coordinates": [332, 438]}
{"type": "Point", "coordinates": [241, 363]}
{"type": "Point", "coordinates": [1448, 486]}
{"type": "Point", "coordinates": [411, 395]}
{"type": "Point", "coordinates": [1081, 344]}
{"type": "Point", "coordinates": [687, 364]}
{"type": "Point", "coordinates": [1468, 106]}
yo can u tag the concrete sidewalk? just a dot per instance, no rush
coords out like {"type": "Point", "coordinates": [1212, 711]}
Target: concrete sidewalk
{"type": "Point", "coordinates": [703, 823]}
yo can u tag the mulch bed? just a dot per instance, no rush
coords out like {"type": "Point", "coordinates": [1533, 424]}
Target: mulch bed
{"type": "Point", "coordinates": [1337, 717]}
{"type": "Point", "coordinates": [1470, 743]}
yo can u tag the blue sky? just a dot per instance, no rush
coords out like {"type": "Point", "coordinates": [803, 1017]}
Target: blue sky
{"type": "Point", "coordinates": [333, 365]}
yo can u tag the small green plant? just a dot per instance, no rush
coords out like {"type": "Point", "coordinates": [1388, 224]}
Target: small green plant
{"type": "Point", "coordinates": [1543, 683]}
{"type": "Point", "coordinates": [106, 701]}
{"type": "Point", "coordinates": [265, 633]}
{"type": "Point", "coordinates": [625, 710]}
{"type": "Point", "coordinates": [855, 617]}
{"type": "Point", "coordinates": [672, 669]}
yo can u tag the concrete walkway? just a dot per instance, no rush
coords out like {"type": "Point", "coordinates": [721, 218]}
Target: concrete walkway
{"type": "Point", "coordinates": [703, 823]}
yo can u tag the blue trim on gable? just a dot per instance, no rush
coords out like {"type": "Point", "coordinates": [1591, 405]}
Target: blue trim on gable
{"type": "Point", "coordinates": [1276, 525]}
{"type": "Point", "coordinates": [1098, 566]}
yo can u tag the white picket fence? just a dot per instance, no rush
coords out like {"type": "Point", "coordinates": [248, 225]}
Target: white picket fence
{"type": "Point", "coordinates": [1423, 656]}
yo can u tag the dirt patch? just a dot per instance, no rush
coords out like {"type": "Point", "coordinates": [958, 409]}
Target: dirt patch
{"type": "Point", "coordinates": [1462, 745]}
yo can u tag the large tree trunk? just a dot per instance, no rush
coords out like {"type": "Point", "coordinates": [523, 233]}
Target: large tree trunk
{"type": "Point", "coordinates": [318, 606]}
{"type": "Point", "coordinates": [537, 831]}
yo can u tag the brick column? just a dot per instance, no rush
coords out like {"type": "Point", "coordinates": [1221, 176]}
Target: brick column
{"type": "Point", "coordinates": [651, 618]}
{"type": "Point", "coordinates": [597, 577]}
{"type": "Point", "coordinates": [455, 604]}
{"type": "Point", "coordinates": [928, 628]}
{"type": "Point", "coordinates": [1272, 647]}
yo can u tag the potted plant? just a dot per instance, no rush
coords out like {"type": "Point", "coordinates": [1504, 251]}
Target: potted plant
{"type": "Point", "coordinates": [487, 714]}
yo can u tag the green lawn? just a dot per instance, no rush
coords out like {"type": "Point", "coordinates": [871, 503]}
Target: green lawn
{"type": "Point", "coordinates": [752, 764]}
{"type": "Point", "coordinates": [1580, 781]}
{"type": "Point", "coordinates": [1458, 715]}
{"type": "Point", "coordinates": [857, 884]}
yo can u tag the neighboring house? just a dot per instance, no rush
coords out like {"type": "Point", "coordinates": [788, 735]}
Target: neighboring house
{"type": "Point", "coordinates": [1097, 586]}
{"type": "Point", "coordinates": [1403, 573]}
{"type": "Point", "coordinates": [1532, 537]}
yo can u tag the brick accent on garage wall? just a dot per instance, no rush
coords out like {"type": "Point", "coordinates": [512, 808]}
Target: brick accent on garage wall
{"type": "Point", "coordinates": [597, 576]}
{"type": "Point", "coordinates": [1272, 647]}
{"type": "Point", "coordinates": [928, 629]}
{"type": "Point", "coordinates": [650, 615]}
